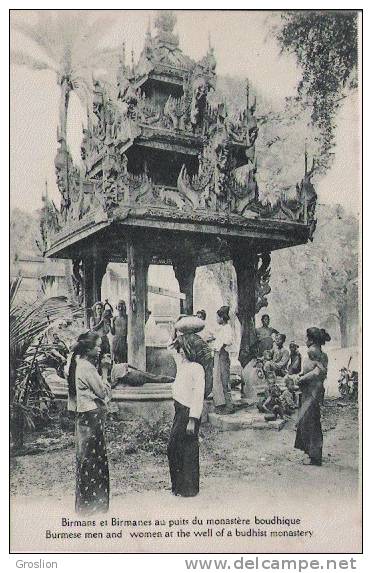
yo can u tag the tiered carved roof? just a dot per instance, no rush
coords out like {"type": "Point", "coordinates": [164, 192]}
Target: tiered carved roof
{"type": "Point", "coordinates": [223, 190]}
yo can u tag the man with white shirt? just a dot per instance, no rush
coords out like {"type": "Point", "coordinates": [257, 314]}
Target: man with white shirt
{"type": "Point", "coordinates": [183, 446]}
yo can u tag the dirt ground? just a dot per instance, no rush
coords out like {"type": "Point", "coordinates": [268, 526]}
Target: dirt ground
{"type": "Point", "coordinates": [264, 455]}
{"type": "Point", "coordinates": [244, 473]}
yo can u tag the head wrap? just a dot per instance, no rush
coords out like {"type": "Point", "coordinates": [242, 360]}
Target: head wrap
{"type": "Point", "coordinates": [224, 313]}
{"type": "Point", "coordinates": [318, 335]}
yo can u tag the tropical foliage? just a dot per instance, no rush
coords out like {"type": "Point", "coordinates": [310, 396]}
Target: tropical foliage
{"type": "Point", "coordinates": [30, 324]}
{"type": "Point", "coordinates": [317, 284]}
{"type": "Point", "coordinates": [68, 43]}
{"type": "Point", "coordinates": [325, 44]}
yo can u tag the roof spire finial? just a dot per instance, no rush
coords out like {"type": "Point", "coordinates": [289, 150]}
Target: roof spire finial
{"type": "Point", "coordinates": [164, 23]}
{"type": "Point", "coordinates": [123, 54]}
{"type": "Point", "coordinates": [247, 95]}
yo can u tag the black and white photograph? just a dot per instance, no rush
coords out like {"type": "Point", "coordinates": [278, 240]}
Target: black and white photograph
{"type": "Point", "coordinates": [185, 281]}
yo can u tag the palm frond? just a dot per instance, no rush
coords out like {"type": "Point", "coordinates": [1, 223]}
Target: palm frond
{"type": "Point", "coordinates": [93, 31]}
{"type": "Point", "coordinates": [22, 59]}
{"type": "Point", "coordinates": [42, 33]}
{"type": "Point", "coordinates": [14, 288]}
{"type": "Point", "coordinates": [105, 57]}
{"type": "Point", "coordinates": [30, 321]}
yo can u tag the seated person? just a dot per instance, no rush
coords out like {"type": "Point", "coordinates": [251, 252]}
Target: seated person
{"type": "Point", "coordinates": [288, 397]}
{"type": "Point", "coordinates": [259, 366]}
{"type": "Point", "coordinates": [269, 366]}
{"type": "Point", "coordinates": [295, 359]}
{"type": "Point", "coordinates": [281, 355]}
{"type": "Point", "coordinates": [271, 404]}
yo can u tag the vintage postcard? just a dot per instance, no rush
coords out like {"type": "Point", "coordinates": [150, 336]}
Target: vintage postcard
{"type": "Point", "coordinates": [185, 281]}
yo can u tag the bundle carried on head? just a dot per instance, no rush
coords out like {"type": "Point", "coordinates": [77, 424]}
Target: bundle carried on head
{"type": "Point", "coordinates": [189, 324]}
{"type": "Point", "coordinates": [197, 350]}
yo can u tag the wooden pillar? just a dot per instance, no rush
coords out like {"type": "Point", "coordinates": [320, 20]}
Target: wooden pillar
{"type": "Point", "coordinates": [245, 264]}
{"type": "Point", "coordinates": [94, 269]}
{"type": "Point", "coordinates": [138, 264]}
{"type": "Point", "coordinates": [88, 298]}
{"type": "Point", "coordinates": [99, 266]}
{"type": "Point", "coordinates": [147, 294]}
{"type": "Point", "coordinates": [185, 269]}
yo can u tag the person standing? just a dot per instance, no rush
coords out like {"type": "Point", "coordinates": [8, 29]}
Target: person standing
{"type": "Point", "coordinates": [183, 445]}
{"type": "Point", "coordinates": [204, 334]}
{"type": "Point", "coordinates": [120, 334]}
{"type": "Point", "coordinates": [100, 323]}
{"type": "Point", "coordinates": [196, 345]}
{"type": "Point", "coordinates": [88, 394]}
{"type": "Point", "coordinates": [309, 436]}
{"type": "Point", "coordinates": [221, 370]}
{"type": "Point", "coordinates": [97, 313]}
{"type": "Point", "coordinates": [264, 335]}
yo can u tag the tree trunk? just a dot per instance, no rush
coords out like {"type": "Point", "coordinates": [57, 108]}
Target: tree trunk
{"type": "Point", "coordinates": [17, 429]}
{"type": "Point", "coordinates": [343, 329]}
{"type": "Point", "coordinates": [63, 107]}
{"type": "Point", "coordinates": [246, 267]}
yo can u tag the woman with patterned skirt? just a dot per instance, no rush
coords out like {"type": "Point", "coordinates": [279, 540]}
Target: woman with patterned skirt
{"type": "Point", "coordinates": [88, 397]}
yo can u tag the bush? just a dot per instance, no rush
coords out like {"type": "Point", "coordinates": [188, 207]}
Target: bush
{"type": "Point", "coordinates": [141, 434]}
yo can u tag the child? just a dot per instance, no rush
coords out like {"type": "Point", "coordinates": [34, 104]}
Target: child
{"type": "Point", "coordinates": [288, 396]}
{"type": "Point", "coordinates": [272, 405]}
{"type": "Point", "coordinates": [269, 367]}
{"type": "Point", "coordinates": [314, 355]}
{"type": "Point", "coordinates": [319, 370]}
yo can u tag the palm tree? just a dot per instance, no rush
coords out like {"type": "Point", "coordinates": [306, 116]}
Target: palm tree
{"type": "Point", "coordinates": [68, 42]}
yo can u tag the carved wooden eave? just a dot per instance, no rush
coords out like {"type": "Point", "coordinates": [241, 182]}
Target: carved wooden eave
{"type": "Point", "coordinates": [180, 142]}
{"type": "Point", "coordinates": [154, 222]}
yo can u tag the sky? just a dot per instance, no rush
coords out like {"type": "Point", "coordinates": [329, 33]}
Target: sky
{"type": "Point", "coordinates": [243, 47]}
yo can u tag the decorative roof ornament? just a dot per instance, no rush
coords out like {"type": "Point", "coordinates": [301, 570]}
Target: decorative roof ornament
{"type": "Point", "coordinates": [210, 60]}
{"type": "Point", "coordinates": [148, 46]}
{"type": "Point", "coordinates": [123, 69]}
{"type": "Point", "coordinates": [132, 61]}
{"type": "Point", "coordinates": [164, 23]}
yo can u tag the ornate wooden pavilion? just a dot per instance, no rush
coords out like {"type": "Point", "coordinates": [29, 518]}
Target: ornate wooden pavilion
{"type": "Point", "coordinates": [170, 178]}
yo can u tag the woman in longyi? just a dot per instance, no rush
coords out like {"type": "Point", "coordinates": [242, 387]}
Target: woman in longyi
{"type": "Point", "coordinates": [309, 436]}
{"type": "Point", "coordinates": [88, 394]}
{"type": "Point", "coordinates": [188, 396]}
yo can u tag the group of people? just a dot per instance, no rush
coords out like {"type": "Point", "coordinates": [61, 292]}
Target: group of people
{"type": "Point", "coordinates": [276, 365]}
{"type": "Point", "coordinates": [203, 370]}
{"type": "Point", "coordinates": [104, 323]}
{"type": "Point", "coordinates": [285, 361]}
